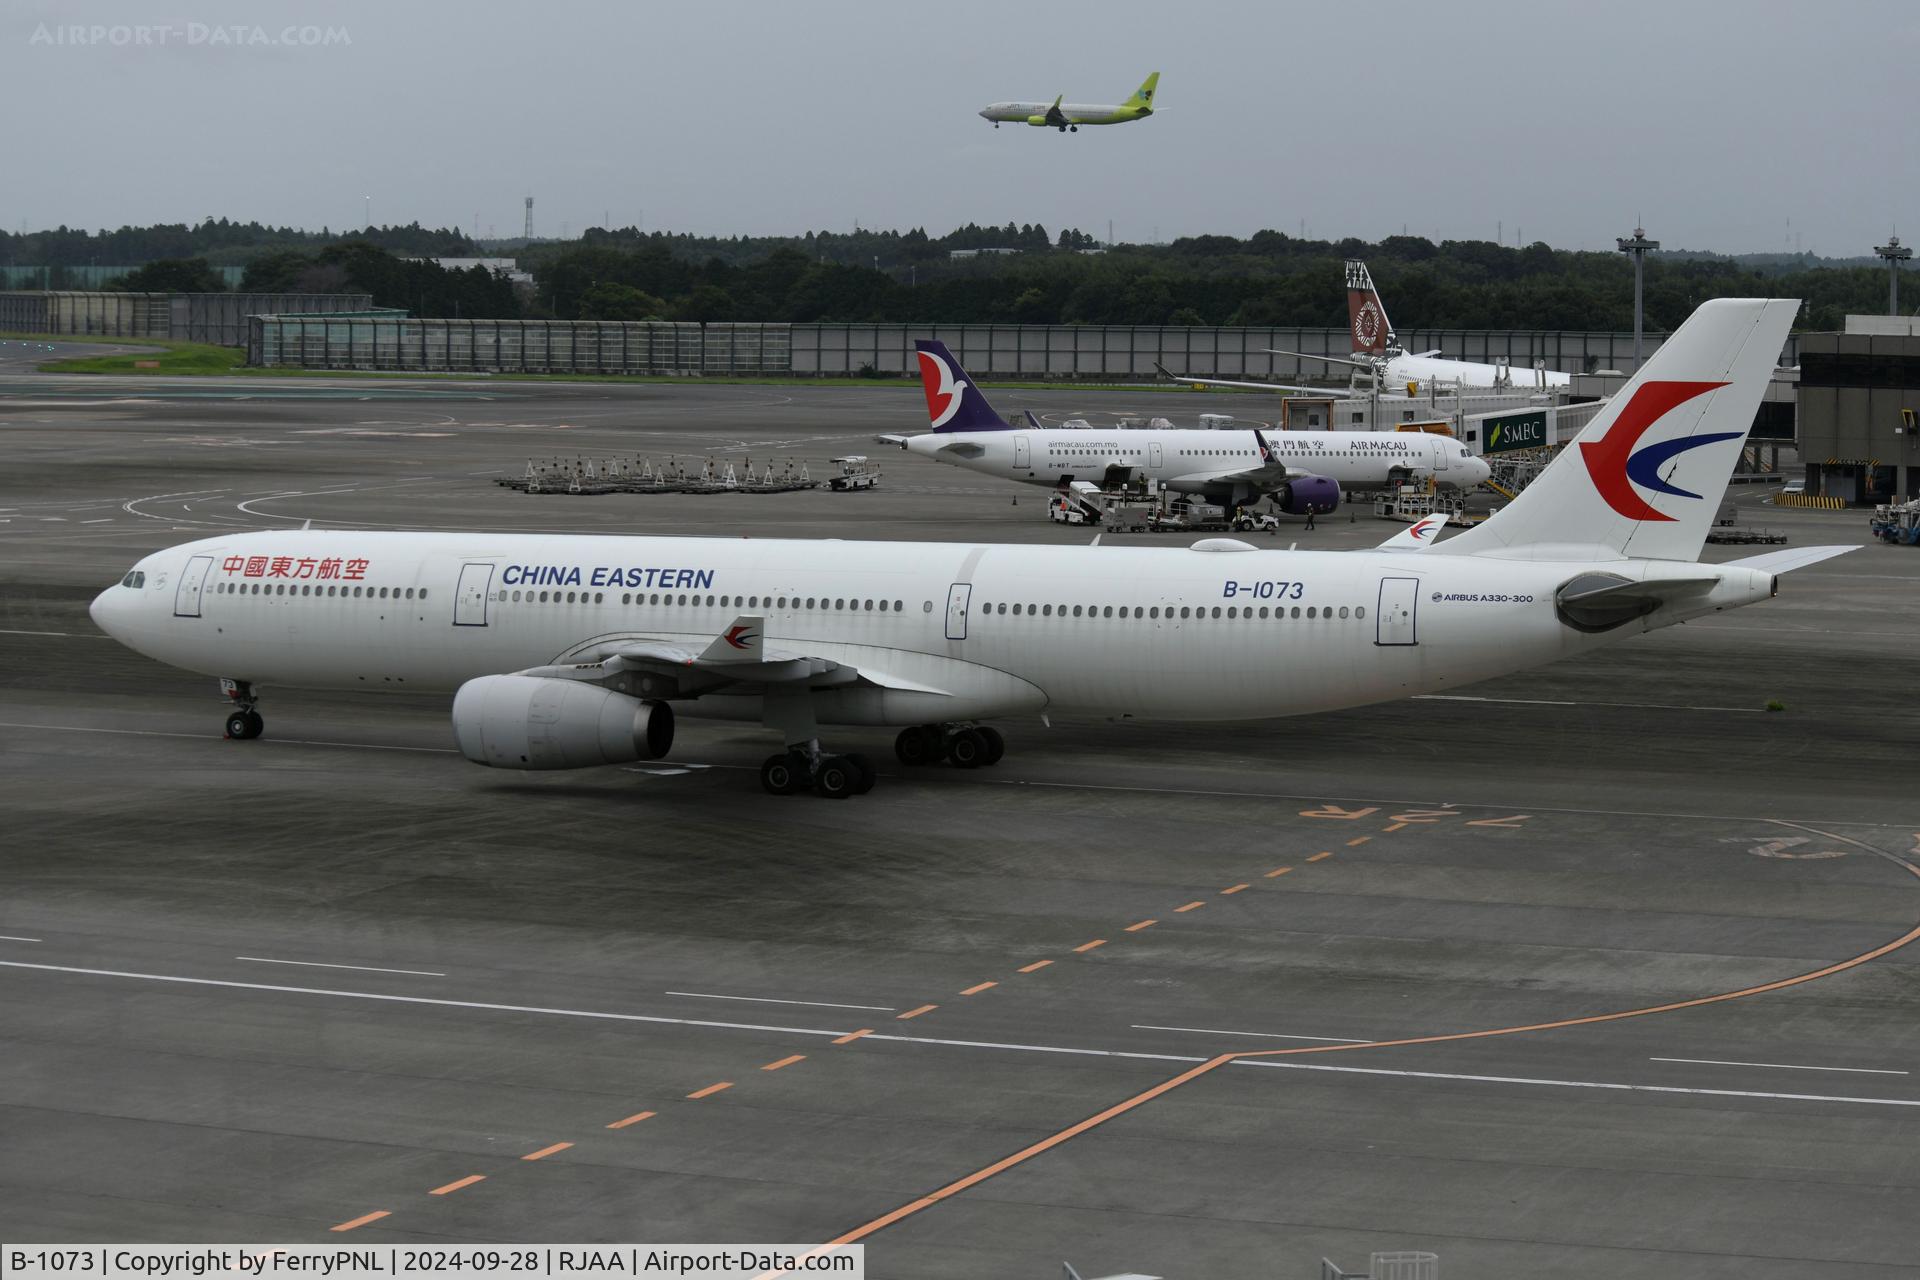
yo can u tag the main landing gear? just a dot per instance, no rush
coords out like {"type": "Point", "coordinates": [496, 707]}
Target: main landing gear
{"type": "Point", "coordinates": [805, 766]}
{"type": "Point", "coordinates": [967, 746]}
{"type": "Point", "coordinates": [244, 723]}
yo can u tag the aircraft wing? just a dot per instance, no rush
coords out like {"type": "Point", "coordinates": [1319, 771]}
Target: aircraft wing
{"type": "Point", "coordinates": [1055, 116]}
{"type": "Point", "coordinates": [899, 442]}
{"type": "Point", "coordinates": [1257, 386]}
{"type": "Point", "coordinates": [739, 655]}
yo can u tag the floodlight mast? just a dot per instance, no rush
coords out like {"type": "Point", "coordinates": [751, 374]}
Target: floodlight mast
{"type": "Point", "coordinates": [1895, 253]}
{"type": "Point", "coordinates": [1638, 248]}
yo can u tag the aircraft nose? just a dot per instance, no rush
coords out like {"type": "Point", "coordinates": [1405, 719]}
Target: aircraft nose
{"type": "Point", "coordinates": [102, 610]}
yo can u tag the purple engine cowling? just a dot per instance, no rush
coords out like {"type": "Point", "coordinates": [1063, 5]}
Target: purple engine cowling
{"type": "Point", "coordinates": [1316, 494]}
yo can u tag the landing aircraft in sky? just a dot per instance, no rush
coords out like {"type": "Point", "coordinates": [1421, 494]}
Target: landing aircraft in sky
{"type": "Point", "coordinates": [1377, 352]}
{"type": "Point", "coordinates": [1302, 471]}
{"type": "Point", "coordinates": [1069, 116]}
{"type": "Point", "coordinates": [570, 651]}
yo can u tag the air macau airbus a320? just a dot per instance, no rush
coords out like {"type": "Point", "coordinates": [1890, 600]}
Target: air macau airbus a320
{"type": "Point", "coordinates": [574, 651]}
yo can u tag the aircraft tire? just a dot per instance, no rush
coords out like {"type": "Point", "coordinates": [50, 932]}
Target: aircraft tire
{"type": "Point", "coordinates": [916, 746]}
{"type": "Point", "coordinates": [782, 775]}
{"type": "Point", "coordinates": [245, 725]}
{"type": "Point", "coordinates": [996, 745]}
{"type": "Point", "coordinates": [836, 778]}
{"type": "Point", "coordinates": [967, 749]}
{"type": "Point", "coordinates": [868, 775]}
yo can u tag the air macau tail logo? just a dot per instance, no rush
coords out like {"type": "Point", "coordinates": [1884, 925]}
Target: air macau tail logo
{"type": "Point", "coordinates": [1616, 466]}
{"type": "Point", "coordinates": [943, 389]}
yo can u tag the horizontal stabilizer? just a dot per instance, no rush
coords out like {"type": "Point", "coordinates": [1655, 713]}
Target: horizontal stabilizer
{"type": "Point", "coordinates": [1788, 561]}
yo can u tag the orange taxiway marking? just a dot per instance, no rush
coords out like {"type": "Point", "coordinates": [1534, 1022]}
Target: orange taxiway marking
{"type": "Point", "coordinates": [1394, 826]}
{"type": "Point", "coordinates": [851, 1036]}
{"type": "Point", "coordinates": [1278, 871]}
{"type": "Point", "coordinates": [1193, 1073]}
{"type": "Point", "coordinates": [787, 1061]}
{"type": "Point", "coordinates": [544, 1152]}
{"type": "Point", "coordinates": [1144, 924]}
{"type": "Point", "coordinates": [1035, 967]}
{"type": "Point", "coordinates": [452, 1187]}
{"type": "Point", "coordinates": [1324, 853]}
{"type": "Point", "coordinates": [1088, 946]}
{"type": "Point", "coordinates": [1233, 889]}
{"type": "Point", "coordinates": [710, 1090]}
{"type": "Point", "coordinates": [1191, 906]}
{"type": "Point", "coordinates": [914, 1013]}
{"type": "Point", "coordinates": [978, 987]}
{"type": "Point", "coordinates": [635, 1118]}
{"type": "Point", "coordinates": [1358, 840]}
{"type": "Point", "coordinates": [362, 1220]}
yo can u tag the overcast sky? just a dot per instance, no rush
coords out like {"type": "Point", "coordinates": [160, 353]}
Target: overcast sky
{"type": "Point", "coordinates": [1728, 126]}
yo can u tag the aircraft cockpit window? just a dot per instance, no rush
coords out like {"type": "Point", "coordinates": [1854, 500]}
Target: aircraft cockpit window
{"type": "Point", "coordinates": [134, 578]}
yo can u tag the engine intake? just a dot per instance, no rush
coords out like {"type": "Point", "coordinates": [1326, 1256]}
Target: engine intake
{"type": "Point", "coordinates": [1315, 494]}
{"type": "Point", "coordinates": [532, 722]}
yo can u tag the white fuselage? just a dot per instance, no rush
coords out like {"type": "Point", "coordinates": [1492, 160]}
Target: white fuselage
{"type": "Point", "coordinates": [964, 631]}
{"type": "Point", "coordinates": [1200, 461]}
{"type": "Point", "coordinates": [1426, 370]}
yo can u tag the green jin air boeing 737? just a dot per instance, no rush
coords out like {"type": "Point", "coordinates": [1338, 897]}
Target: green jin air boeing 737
{"type": "Point", "coordinates": [1066, 116]}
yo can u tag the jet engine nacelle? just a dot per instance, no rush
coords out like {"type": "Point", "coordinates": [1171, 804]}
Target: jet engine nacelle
{"type": "Point", "coordinates": [532, 722]}
{"type": "Point", "coordinates": [1315, 494]}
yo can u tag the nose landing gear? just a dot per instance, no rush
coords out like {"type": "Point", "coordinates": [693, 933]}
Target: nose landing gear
{"type": "Point", "coordinates": [244, 723]}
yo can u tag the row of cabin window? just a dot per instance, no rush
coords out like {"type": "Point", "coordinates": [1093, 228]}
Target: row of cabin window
{"type": "Point", "coordinates": [1186, 611]}
{"type": "Point", "coordinates": [724, 602]}
{"type": "Point", "coordinates": [315, 589]}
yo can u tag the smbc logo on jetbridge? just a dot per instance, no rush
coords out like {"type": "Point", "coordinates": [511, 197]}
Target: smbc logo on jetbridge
{"type": "Point", "coordinates": [1515, 431]}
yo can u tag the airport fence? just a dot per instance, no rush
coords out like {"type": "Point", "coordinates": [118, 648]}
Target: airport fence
{"type": "Point", "coordinates": [1093, 352]}
{"type": "Point", "coordinates": [219, 318]}
{"type": "Point", "coordinates": [1132, 351]}
{"type": "Point", "coordinates": [398, 342]}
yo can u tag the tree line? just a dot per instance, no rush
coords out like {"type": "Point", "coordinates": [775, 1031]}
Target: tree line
{"type": "Point", "coordinates": [1267, 279]}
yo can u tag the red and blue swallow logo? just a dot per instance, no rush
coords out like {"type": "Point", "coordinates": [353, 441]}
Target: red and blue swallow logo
{"type": "Point", "coordinates": [739, 637]}
{"type": "Point", "coordinates": [1424, 529]}
{"type": "Point", "coordinates": [1615, 465]}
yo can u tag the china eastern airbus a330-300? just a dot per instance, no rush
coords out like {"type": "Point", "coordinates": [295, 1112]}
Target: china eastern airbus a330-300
{"type": "Point", "coordinates": [570, 651]}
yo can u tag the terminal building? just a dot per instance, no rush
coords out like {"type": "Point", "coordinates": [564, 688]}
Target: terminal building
{"type": "Point", "coordinates": [1859, 393]}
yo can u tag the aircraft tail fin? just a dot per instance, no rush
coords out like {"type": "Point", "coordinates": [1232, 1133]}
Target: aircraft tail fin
{"type": "Point", "coordinates": [1366, 314]}
{"type": "Point", "coordinates": [1645, 477]}
{"type": "Point", "coordinates": [953, 402]}
{"type": "Point", "coordinates": [1142, 99]}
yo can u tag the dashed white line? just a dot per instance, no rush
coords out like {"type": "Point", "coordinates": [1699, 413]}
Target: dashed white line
{"type": "Point", "coordinates": [1555, 702]}
{"type": "Point", "coordinates": [488, 1006]}
{"type": "Point", "coordinates": [816, 1004]}
{"type": "Point", "coordinates": [361, 968]}
{"type": "Point", "coordinates": [1264, 1035]}
{"type": "Point", "coordinates": [65, 635]}
{"type": "Point", "coordinates": [1785, 1066]}
{"type": "Point", "coordinates": [7, 937]}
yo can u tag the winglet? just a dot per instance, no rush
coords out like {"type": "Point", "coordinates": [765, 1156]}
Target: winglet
{"type": "Point", "coordinates": [1417, 536]}
{"type": "Point", "coordinates": [744, 641]}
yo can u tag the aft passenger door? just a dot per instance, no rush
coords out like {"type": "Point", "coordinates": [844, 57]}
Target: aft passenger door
{"type": "Point", "coordinates": [1153, 455]}
{"type": "Point", "coordinates": [1396, 616]}
{"type": "Point", "coordinates": [470, 599]}
{"type": "Point", "coordinates": [186, 596]}
{"type": "Point", "coordinates": [1020, 462]}
{"type": "Point", "coordinates": [957, 597]}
